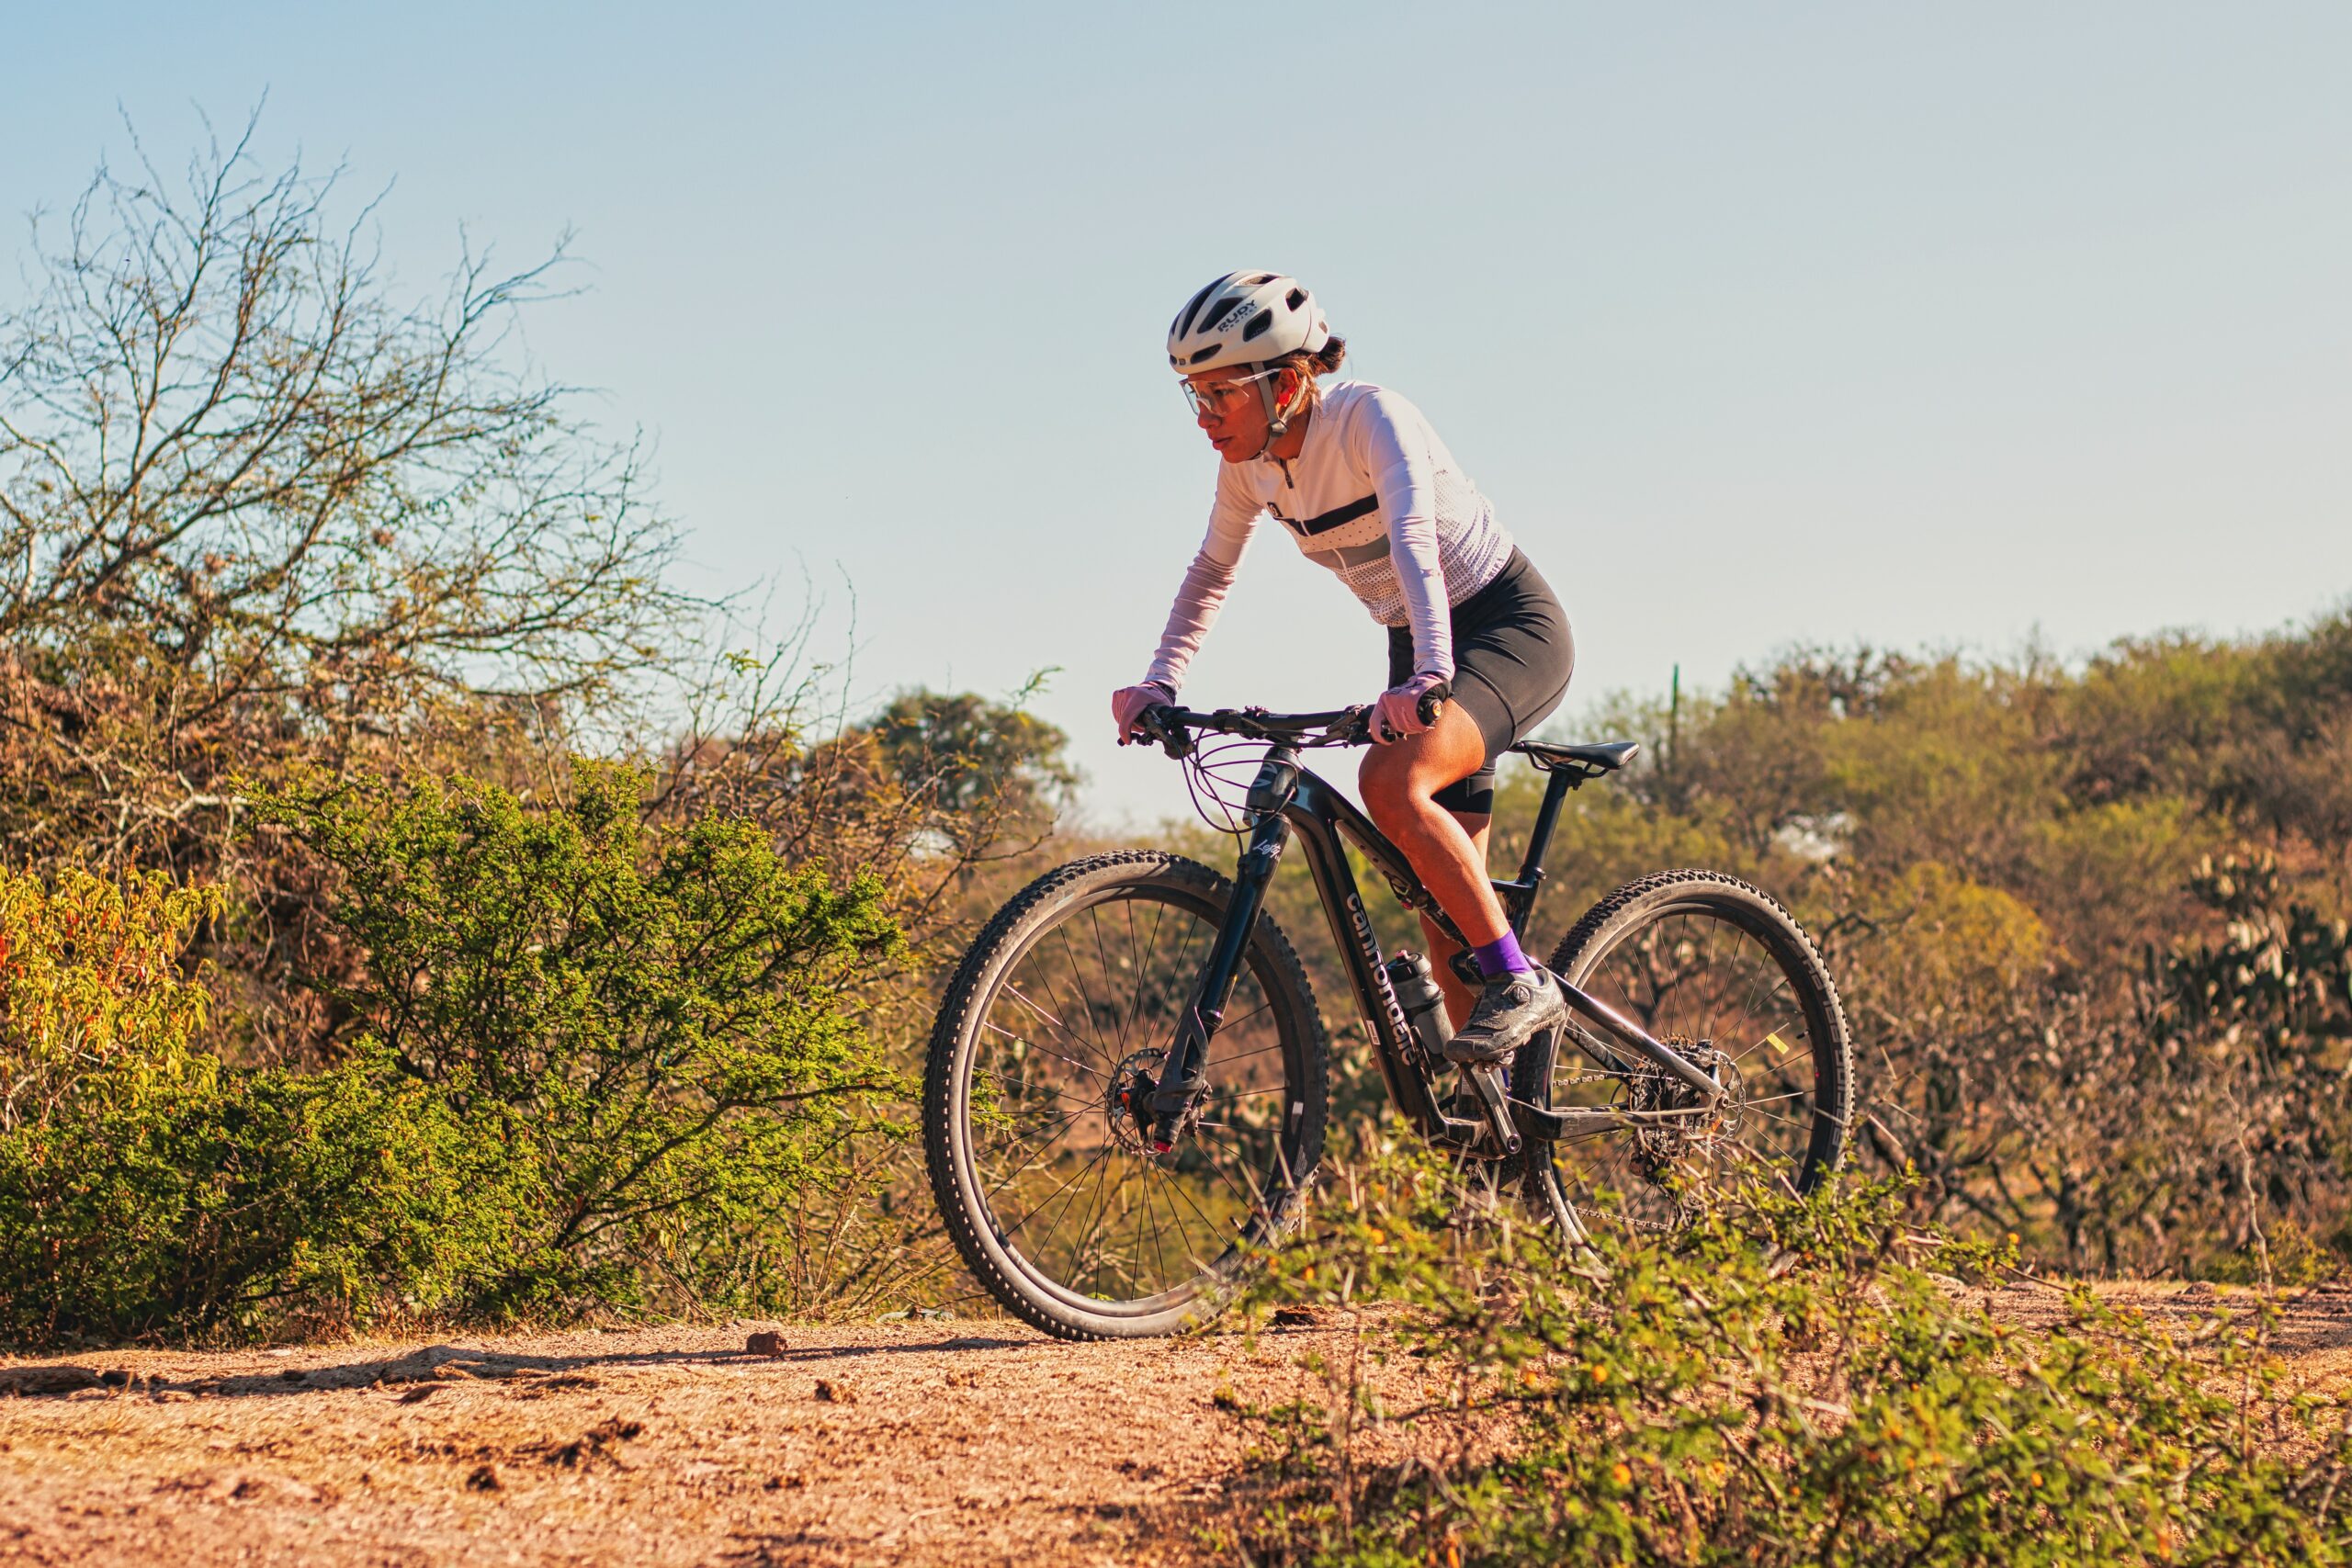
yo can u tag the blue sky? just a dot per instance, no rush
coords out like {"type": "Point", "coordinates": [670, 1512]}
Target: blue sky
{"type": "Point", "coordinates": [1761, 325]}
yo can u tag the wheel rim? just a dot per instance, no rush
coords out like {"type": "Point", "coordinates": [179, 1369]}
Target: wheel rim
{"type": "Point", "coordinates": [1073, 1195]}
{"type": "Point", "coordinates": [1698, 977]}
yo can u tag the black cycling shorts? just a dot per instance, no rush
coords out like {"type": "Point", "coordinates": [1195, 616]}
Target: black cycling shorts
{"type": "Point", "coordinates": [1512, 658]}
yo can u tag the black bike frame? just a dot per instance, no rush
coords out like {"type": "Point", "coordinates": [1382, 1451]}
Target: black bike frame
{"type": "Point", "coordinates": [1286, 800]}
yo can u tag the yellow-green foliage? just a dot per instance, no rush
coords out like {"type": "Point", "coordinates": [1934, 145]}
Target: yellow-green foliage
{"type": "Point", "coordinates": [1785, 1383]}
{"type": "Point", "coordinates": [1967, 946]}
{"type": "Point", "coordinates": [591, 1066]}
{"type": "Point", "coordinates": [2111, 876]}
{"type": "Point", "coordinates": [146, 1188]}
{"type": "Point", "coordinates": [93, 1000]}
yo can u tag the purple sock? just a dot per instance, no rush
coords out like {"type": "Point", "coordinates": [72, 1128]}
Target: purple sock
{"type": "Point", "coordinates": [1501, 956]}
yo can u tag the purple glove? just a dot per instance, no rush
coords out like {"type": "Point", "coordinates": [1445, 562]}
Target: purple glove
{"type": "Point", "coordinates": [1127, 705]}
{"type": "Point", "coordinates": [1398, 712]}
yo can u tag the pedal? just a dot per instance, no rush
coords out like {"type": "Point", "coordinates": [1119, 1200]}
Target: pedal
{"type": "Point", "coordinates": [1494, 1099]}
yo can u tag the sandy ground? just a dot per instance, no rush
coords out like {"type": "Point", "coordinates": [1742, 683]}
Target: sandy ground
{"type": "Point", "coordinates": [2312, 1336]}
{"type": "Point", "coordinates": [962, 1442]}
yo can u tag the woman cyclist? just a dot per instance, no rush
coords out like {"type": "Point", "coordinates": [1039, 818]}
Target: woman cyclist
{"type": "Point", "coordinates": [1357, 478]}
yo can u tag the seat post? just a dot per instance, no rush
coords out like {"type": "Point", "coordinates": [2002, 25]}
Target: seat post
{"type": "Point", "coordinates": [1548, 816]}
{"type": "Point", "coordinates": [1518, 897]}
{"type": "Point", "coordinates": [1565, 768]}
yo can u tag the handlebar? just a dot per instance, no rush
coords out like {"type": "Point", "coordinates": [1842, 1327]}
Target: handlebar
{"type": "Point", "coordinates": [1173, 727]}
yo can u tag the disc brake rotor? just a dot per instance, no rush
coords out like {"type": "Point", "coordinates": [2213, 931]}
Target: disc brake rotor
{"type": "Point", "coordinates": [1127, 1103]}
{"type": "Point", "coordinates": [1661, 1151]}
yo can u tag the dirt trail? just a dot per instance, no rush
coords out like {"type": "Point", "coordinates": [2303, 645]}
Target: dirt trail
{"type": "Point", "coordinates": [962, 1442]}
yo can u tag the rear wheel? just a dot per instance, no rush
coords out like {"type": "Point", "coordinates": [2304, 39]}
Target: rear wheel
{"type": "Point", "coordinates": [1056, 1027]}
{"type": "Point", "coordinates": [1720, 972]}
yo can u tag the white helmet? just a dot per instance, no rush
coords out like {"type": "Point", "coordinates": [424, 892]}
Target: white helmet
{"type": "Point", "coordinates": [1242, 319]}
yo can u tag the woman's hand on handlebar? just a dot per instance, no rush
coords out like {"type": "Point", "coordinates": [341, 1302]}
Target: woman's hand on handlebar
{"type": "Point", "coordinates": [1409, 709]}
{"type": "Point", "coordinates": [1129, 704]}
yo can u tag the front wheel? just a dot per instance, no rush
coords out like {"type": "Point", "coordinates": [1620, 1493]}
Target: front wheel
{"type": "Point", "coordinates": [1718, 971]}
{"type": "Point", "coordinates": [1053, 1033]}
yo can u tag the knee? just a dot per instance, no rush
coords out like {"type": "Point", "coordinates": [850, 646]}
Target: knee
{"type": "Point", "coordinates": [1392, 791]}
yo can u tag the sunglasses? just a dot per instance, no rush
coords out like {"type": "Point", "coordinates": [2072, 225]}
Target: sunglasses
{"type": "Point", "coordinates": [1217, 397]}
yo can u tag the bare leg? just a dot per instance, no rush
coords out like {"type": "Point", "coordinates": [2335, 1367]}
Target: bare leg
{"type": "Point", "coordinates": [1459, 998]}
{"type": "Point", "coordinates": [1448, 850]}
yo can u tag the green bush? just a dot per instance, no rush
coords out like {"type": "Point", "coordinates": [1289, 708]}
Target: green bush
{"type": "Point", "coordinates": [643, 1034]}
{"type": "Point", "coordinates": [1783, 1384]}
{"type": "Point", "coordinates": [2145, 1081]}
{"type": "Point", "coordinates": [586, 1066]}
{"type": "Point", "coordinates": [146, 1189]}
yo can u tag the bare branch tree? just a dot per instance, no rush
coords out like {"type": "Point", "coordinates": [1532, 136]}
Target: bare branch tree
{"type": "Point", "coordinates": [255, 509]}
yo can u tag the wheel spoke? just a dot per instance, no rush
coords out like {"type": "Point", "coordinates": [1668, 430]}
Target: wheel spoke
{"type": "Point", "coordinates": [1017, 995]}
{"type": "Point", "coordinates": [1027, 1167]}
{"type": "Point", "coordinates": [1081, 1019]}
{"type": "Point", "coordinates": [1702, 976]}
{"type": "Point", "coordinates": [1014, 1229]}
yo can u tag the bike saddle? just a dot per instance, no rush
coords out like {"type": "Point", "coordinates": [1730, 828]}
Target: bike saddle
{"type": "Point", "coordinates": [1592, 762]}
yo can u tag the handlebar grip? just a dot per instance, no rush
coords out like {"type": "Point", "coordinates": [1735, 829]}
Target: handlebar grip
{"type": "Point", "coordinates": [1433, 702]}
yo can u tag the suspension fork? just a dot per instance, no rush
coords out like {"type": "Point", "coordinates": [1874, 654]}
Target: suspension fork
{"type": "Point", "coordinates": [1181, 1076]}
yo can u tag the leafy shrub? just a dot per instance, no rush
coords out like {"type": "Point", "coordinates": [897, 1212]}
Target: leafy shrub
{"type": "Point", "coordinates": [144, 1188]}
{"type": "Point", "coordinates": [2109, 1085]}
{"type": "Point", "coordinates": [91, 988]}
{"type": "Point", "coordinates": [642, 1032]}
{"type": "Point", "coordinates": [1783, 1384]}
{"type": "Point", "coordinates": [587, 1065]}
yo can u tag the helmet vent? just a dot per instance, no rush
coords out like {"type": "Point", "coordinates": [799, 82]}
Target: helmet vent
{"type": "Point", "coordinates": [1253, 317]}
{"type": "Point", "coordinates": [1185, 320]}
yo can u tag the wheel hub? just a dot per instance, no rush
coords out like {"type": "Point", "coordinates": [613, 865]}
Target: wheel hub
{"type": "Point", "coordinates": [1127, 1103]}
{"type": "Point", "coordinates": [1660, 1147]}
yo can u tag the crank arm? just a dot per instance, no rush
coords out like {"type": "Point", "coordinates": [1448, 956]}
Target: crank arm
{"type": "Point", "coordinates": [1494, 1099]}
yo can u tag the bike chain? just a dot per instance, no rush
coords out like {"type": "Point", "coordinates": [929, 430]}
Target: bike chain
{"type": "Point", "coordinates": [1616, 1217]}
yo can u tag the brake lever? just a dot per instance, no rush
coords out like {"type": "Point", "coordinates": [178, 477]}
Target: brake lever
{"type": "Point", "coordinates": [1174, 739]}
{"type": "Point", "coordinates": [1356, 726]}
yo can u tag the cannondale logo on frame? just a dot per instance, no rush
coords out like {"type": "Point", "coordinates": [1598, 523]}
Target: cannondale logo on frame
{"type": "Point", "coordinates": [1371, 944]}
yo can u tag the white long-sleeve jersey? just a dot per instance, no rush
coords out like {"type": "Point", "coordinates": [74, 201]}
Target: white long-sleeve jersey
{"type": "Point", "coordinates": [1375, 497]}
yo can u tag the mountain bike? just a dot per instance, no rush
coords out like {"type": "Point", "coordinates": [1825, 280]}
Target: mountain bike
{"type": "Point", "coordinates": [1128, 1080]}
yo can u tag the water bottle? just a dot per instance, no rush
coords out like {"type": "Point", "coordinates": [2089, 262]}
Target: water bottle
{"type": "Point", "coordinates": [1416, 986]}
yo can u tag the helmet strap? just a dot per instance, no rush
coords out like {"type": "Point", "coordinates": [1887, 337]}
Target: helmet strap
{"type": "Point", "coordinates": [1278, 415]}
